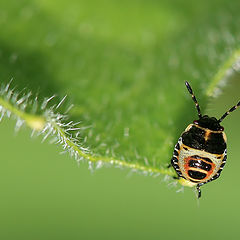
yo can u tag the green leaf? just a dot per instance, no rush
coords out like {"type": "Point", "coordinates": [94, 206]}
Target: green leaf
{"type": "Point", "coordinates": [123, 66]}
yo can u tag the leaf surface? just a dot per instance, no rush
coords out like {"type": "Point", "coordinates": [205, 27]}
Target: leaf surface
{"type": "Point", "coordinates": [123, 66]}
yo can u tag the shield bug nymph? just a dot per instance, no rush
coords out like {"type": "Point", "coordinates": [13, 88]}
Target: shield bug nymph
{"type": "Point", "coordinates": [201, 151]}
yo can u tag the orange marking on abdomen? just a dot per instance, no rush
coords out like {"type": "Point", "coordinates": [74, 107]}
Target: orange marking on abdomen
{"type": "Point", "coordinates": [200, 165]}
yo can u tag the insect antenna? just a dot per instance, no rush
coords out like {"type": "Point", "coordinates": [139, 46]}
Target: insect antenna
{"type": "Point", "coordinates": [229, 111]}
{"type": "Point", "coordinates": [193, 98]}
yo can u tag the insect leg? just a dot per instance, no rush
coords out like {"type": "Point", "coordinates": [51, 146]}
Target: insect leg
{"type": "Point", "coordinates": [198, 190]}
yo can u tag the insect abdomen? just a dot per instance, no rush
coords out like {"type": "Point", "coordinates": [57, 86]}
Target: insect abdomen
{"type": "Point", "coordinates": [198, 168]}
{"type": "Point", "coordinates": [196, 165]}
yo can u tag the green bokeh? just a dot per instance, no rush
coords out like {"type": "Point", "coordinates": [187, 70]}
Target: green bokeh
{"type": "Point", "coordinates": [115, 58]}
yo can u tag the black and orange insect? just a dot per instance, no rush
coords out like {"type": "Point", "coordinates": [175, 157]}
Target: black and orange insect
{"type": "Point", "coordinates": [201, 151]}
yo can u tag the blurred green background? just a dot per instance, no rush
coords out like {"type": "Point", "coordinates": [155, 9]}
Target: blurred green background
{"type": "Point", "coordinates": [114, 58]}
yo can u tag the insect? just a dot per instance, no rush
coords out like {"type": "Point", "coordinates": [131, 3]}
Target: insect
{"type": "Point", "coordinates": [201, 151]}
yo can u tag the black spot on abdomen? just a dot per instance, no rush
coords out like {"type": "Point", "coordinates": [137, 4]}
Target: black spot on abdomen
{"type": "Point", "coordinates": [196, 174]}
{"type": "Point", "coordinates": [200, 165]}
